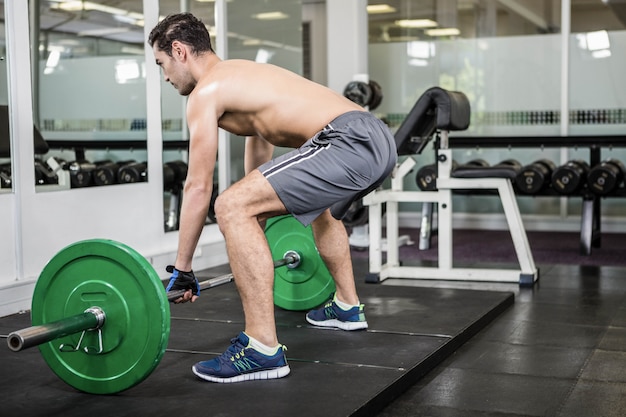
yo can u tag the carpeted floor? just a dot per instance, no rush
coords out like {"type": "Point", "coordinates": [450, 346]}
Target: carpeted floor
{"type": "Point", "coordinates": [495, 246]}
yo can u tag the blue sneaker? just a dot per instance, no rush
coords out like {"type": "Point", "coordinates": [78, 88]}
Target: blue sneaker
{"type": "Point", "coordinates": [331, 315]}
{"type": "Point", "coordinates": [242, 363]}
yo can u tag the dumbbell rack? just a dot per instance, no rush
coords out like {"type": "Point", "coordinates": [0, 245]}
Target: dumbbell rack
{"type": "Point", "coordinates": [62, 175]}
{"type": "Point", "coordinates": [590, 229]}
{"type": "Point", "coordinates": [527, 273]}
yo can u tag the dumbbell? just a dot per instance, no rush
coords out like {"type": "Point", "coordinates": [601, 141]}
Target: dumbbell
{"type": "Point", "coordinates": [81, 173]}
{"type": "Point", "coordinates": [5, 176]}
{"type": "Point", "coordinates": [357, 214]}
{"type": "Point", "coordinates": [533, 178]}
{"type": "Point", "coordinates": [211, 219]}
{"type": "Point", "coordinates": [106, 171]}
{"type": "Point", "coordinates": [469, 166]}
{"type": "Point", "coordinates": [570, 177]}
{"type": "Point", "coordinates": [480, 163]}
{"type": "Point", "coordinates": [174, 174]}
{"type": "Point", "coordinates": [606, 177]}
{"type": "Point", "coordinates": [512, 163]}
{"type": "Point", "coordinates": [133, 172]}
{"type": "Point", "coordinates": [364, 94]}
{"type": "Point", "coordinates": [426, 177]}
{"type": "Point", "coordinates": [169, 177]}
{"type": "Point", "coordinates": [377, 95]}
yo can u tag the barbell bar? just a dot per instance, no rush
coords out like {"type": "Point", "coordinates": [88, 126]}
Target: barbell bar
{"type": "Point", "coordinates": [290, 259]}
{"type": "Point", "coordinates": [101, 317]}
{"type": "Point", "coordinates": [91, 319]}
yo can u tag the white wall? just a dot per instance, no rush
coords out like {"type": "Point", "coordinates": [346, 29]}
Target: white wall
{"type": "Point", "coordinates": [7, 255]}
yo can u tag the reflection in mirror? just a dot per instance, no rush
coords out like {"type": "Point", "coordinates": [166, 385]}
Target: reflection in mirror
{"type": "Point", "coordinates": [5, 142]}
{"type": "Point", "coordinates": [270, 32]}
{"type": "Point", "coordinates": [89, 93]}
{"type": "Point", "coordinates": [174, 129]}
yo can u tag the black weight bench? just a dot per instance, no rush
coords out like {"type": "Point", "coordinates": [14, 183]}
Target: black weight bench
{"type": "Point", "coordinates": [435, 114]}
{"type": "Point", "coordinates": [41, 146]}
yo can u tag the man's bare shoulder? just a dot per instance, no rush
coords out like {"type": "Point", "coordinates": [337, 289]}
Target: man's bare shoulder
{"type": "Point", "coordinates": [247, 68]}
{"type": "Point", "coordinates": [233, 73]}
{"type": "Point", "coordinates": [230, 80]}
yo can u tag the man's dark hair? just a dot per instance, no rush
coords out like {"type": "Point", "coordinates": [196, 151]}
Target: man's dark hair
{"type": "Point", "coordinates": [182, 27]}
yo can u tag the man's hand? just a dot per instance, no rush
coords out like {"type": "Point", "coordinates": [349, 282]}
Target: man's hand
{"type": "Point", "coordinates": [182, 280]}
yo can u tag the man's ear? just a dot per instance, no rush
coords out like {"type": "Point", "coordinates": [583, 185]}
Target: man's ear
{"type": "Point", "coordinates": [179, 51]}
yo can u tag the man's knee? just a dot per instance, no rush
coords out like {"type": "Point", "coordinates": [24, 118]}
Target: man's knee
{"type": "Point", "coordinates": [231, 206]}
{"type": "Point", "coordinates": [225, 208]}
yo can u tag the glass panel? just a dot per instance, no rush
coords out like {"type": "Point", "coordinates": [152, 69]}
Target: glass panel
{"type": "Point", "coordinates": [5, 140]}
{"type": "Point", "coordinates": [264, 31]}
{"type": "Point", "coordinates": [174, 127]}
{"type": "Point", "coordinates": [506, 60]}
{"type": "Point", "coordinates": [597, 106]}
{"type": "Point", "coordinates": [597, 62]}
{"type": "Point", "coordinates": [172, 104]}
{"type": "Point", "coordinates": [90, 88]}
{"type": "Point", "coordinates": [268, 31]}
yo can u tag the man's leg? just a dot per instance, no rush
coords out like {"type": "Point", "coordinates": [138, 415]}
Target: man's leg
{"type": "Point", "coordinates": [333, 245]}
{"type": "Point", "coordinates": [238, 211]}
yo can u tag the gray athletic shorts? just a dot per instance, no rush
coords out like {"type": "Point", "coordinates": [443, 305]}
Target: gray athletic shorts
{"type": "Point", "coordinates": [345, 161]}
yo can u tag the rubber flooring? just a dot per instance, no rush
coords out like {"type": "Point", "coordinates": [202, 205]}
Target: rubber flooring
{"type": "Point", "coordinates": [333, 373]}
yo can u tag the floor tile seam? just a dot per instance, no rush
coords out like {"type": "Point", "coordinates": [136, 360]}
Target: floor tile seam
{"type": "Point", "coordinates": [585, 363]}
{"type": "Point", "coordinates": [617, 296]}
{"type": "Point", "coordinates": [465, 410]}
{"type": "Point", "coordinates": [618, 384]}
{"type": "Point", "coordinates": [560, 284]}
{"type": "Point", "coordinates": [604, 314]}
{"type": "Point", "coordinates": [299, 360]}
{"type": "Point", "coordinates": [453, 361]}
{"type": "Point", "coordinates": [543, 321]}
{"type": "Point", "coordinates": [371, 331]}
{"type": "Point", "coordinates": [483, 372]}
{"type": "Point", "coordinates": [473, 343]}
{"type": "Point", "coordinates": [605, 350]}
{"type": "Point", "coordinates": [480, 371]}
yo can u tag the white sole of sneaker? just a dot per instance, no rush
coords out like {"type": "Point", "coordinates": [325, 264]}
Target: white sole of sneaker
{"type": "Point", "coordinates": [252, 376]}
{"type": "Point", "coordinates": [343, 325]}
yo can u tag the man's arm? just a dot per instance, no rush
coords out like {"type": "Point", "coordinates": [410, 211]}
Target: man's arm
{"type": "Point", "coordinates": [203, 126]}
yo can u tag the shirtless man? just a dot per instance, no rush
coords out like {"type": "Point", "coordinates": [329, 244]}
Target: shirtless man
{"type": "Point", "coordinates": [341, 153]}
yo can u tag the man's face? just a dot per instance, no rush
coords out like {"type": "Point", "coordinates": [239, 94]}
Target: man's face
{"type": "Point", "coordinates": [175, 72]}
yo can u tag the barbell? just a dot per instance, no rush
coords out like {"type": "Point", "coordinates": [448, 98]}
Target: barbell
{"type": "Point", "coordinates": [101, 317]}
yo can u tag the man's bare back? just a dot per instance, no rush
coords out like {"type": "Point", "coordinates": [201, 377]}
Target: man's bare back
{"type": "Point", "coordinates": [268, 101]}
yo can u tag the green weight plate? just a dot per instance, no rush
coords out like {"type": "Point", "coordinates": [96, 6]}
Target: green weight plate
{"type": "Point", "coordinates": [309, 284]}
{"type": "Point", "coordinates": [114, 277]}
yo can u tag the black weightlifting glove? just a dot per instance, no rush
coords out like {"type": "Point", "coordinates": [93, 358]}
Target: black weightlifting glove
{"type": "Point", "coordinates": [182, 280]}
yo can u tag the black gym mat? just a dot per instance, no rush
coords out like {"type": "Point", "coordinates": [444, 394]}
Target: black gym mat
{"type": "Point", "coordinates": [333, 373]}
